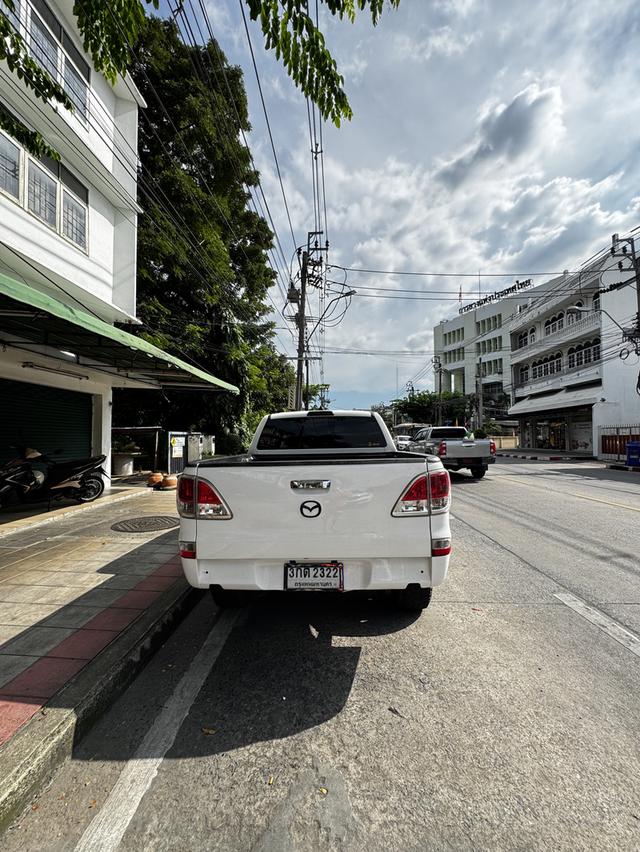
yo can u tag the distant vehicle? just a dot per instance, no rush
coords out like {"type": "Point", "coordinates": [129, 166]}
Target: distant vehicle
{"type": "Point", "coordinates": [455, 448]}
{"type": "Point", "coordinates": [403, 433]}
{"type": "Point", "coordinates": [322, 501]}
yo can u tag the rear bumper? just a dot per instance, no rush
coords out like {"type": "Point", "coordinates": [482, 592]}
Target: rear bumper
{"type": "Point", "coordinates": [467, 462]}
{"type": "Point", "coordinates": [359, 574]}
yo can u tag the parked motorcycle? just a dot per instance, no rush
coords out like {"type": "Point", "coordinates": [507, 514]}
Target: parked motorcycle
{"type": "Point", "coordinates": [33, 477]}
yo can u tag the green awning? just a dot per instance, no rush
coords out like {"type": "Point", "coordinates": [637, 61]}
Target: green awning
{"type": "Point", "coordinates": [95, 343]}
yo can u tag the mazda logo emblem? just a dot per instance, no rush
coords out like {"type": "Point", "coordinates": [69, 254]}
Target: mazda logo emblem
{"type": "Point", "coordinates": [310, 509]}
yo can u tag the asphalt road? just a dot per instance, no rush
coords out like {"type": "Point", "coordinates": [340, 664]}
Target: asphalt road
{"type": "Point", "coordinates": [505, 717]}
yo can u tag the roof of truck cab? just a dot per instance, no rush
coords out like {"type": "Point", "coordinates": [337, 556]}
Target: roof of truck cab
{"type": "Point", "coordinates": [326, 413]}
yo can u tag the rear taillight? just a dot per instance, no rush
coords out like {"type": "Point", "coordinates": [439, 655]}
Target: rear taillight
{"type": "Point", "coordinates": [440, 546]}
{"type": "Point", "coordinates": [442, 449]}
{"type": "Point", "coordinates": [425, 494]}
{"type": "Point", "coordinates": [210, 505]}
{"type": "Point", "coordinates": [415, 500]}
{"type": "Point", "coordinates": [187, 549]}
{"type": "Point", "coordinates": [492, 447]}
{"type": "Point", "coordinates": [186, 496]}
{"type": "Point", "coordinates": [439, 490]}
{"type": "Point", "coordinates": [199, 499]}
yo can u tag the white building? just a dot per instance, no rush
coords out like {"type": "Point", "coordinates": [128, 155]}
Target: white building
{"type": "Point", "coordinates": [473, 348]}
{"type": "Point", "coordinates": [68, 251]}
{"type": "Point", "coordinates": [568, 381]}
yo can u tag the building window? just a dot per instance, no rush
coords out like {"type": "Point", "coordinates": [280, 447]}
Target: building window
{"type": "Point", "coordinates": [76, 88]}
{"type": "Point", "coordinates": [523, 339]}
{"type": "Point", "coordinates": [44, 46]}
{"type": "Point", "coordinates": [74, 219]}
{"type": "Point", "coordinates": [9, 167]}
{"type": "Point", "coordinates": [524, 374]}
{"type": "Point", "coordinates": [52, 47]}
{"type": "Point", "coordinates": [52, 192]}
{"type": "Point", "coordinates": [12, 14]}
{"type": "Point", "coordinates": [532, 335]}
{"type": "Point", "coordinates": [42, 194]}
{"type": "Point", "coordinates": [596, 302]}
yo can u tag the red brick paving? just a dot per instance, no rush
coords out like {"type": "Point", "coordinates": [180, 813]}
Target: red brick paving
{"type": "Point", "coordinates": [137, 600]}
{"type": "Point", "coordinates": [155, 584]}
{"type": "Point", "coordinates": [83, 644]}
{"type": "Point", "coordinates": [23, 696]}
{"type": "Point", "coordinates": [14, 713]}
{"type": "Point", "coordinates": [112, 618]}
{"type": "Point", "coordinates": [42, 679]}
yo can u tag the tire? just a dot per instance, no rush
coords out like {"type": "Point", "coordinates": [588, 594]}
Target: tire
{"type": "Point", "coordinates": [228, 598]}
{"type": "Point", "coordinates": [91, 488]}
{"type": "Point", "coordinates": [414, 598]}
{"type": "Point", "coordinates": [478, 472]}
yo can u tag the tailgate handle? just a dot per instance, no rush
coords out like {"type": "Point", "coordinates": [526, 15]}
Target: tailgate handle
{"type": "Point", "coordinates": [311, 484]}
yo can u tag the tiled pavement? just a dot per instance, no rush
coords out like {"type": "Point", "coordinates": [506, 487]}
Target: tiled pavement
{"type": "Point", "coordinates": [67, 590]}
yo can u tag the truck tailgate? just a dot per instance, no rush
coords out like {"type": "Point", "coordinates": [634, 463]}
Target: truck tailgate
{"type": "Point", "coordinates": [354, 518]}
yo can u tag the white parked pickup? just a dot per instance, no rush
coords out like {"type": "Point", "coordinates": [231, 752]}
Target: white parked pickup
{"type": "Point", "coordinates": [322, 501]}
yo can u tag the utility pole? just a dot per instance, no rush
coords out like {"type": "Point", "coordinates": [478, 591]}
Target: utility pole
{"type": "Point", "coordinates": [301, 329]}
{"type": "Point", "coordinates": [633, 335]}
{"type": "Point", "coordinates": [480, 395]}
{"type": "Point", "coordinates": [437, 366]}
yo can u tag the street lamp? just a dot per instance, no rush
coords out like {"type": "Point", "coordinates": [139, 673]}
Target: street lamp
{"type": "Point", "coordinates": [628, 334]}
{"type": "Point", "coordinates": [341, 296]}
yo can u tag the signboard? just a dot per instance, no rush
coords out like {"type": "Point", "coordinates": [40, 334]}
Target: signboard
{"type": "Point", "coordinates": [177, 446]}
{"type": "Point", "coordinates": [493, 297]}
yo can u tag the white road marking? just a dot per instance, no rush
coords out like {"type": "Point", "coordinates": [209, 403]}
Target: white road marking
{"type": "Point", "coordinates": [625, 637]}
{"type": "Point", "coordinates": [107, 829]}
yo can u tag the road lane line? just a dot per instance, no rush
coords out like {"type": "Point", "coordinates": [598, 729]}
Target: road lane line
{"type": "Point", "coordinates": [616, 631]}
{"type": "Point", "coordinates": [107, 829]}
{"type": "Point", "coordinates": [572, 494]}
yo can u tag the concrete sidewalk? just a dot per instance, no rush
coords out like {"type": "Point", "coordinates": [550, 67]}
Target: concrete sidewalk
{"type": "Point", "coordinates": [81, 607]}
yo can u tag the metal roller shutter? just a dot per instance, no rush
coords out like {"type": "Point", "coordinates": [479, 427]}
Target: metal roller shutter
{"type": "Point", "coordinates": [45, 418]}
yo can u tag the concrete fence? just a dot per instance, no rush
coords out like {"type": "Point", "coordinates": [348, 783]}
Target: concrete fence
{"type": "Point", "coordinates": [505, 442]}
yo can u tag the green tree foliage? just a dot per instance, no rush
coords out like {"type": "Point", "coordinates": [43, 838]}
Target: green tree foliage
{"type": "Point", "coordinates": [312, 394]}
{"type": "Point", "coordinates": [203, 274]}
{"type": "Point", "coordinates": [422, 407]}
{"type": "Point", "coordinates": [108, 30]}
{"type": "Point", "coordinates": [299, 44]}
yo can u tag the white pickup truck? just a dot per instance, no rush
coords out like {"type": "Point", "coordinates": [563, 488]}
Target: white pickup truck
{"type": "Point", "coordinates": [322, 501]}
{"type": "Point", "coordinates": [454, 449]}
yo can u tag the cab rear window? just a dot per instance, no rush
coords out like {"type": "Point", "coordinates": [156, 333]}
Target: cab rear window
{"type": "Point", "coordinates": [450, 432]}
{"type": "Point", "coordinates": [321, 433]}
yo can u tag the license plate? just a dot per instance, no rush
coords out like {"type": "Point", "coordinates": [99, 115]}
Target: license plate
{"type": "Point", "coordinates": [314, 576]}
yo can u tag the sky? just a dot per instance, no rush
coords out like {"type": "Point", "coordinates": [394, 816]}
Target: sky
{"type": "Point", "coordinates": [491, 135]}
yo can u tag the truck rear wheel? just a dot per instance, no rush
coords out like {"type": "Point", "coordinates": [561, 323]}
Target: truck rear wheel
{"type": "Point", "coordinates": [414, 598]}
{"type": "Point", "coordinates": [478, 472]}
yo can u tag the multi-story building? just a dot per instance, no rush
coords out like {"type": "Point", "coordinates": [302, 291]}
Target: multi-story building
{"type": "Point", "coordinates": [568, 381]}
{"type": "Point", "coordinates": [473, 348]}
{"type": "Point", "coordinates": [68, 249]}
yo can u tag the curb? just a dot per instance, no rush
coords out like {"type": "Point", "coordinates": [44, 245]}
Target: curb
{"type": "Point", "coordinates": [27, 524]}
{"type": "Point", "coordinates": [544, 458]}
{"type": "Point", "coordinates": [623, 467]}
{"type": "Point", "coordinates": [31, 758]}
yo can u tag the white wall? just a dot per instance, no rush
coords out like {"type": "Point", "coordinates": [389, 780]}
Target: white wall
{"type": "Point", "coordinates": [619, 378]}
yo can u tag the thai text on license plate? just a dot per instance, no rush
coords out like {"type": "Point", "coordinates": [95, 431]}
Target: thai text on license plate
{"type": "Point", "coordinates": [314, 576]}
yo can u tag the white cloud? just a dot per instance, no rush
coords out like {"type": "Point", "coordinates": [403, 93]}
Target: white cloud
{"type": "Point", "coordinates": [509, 149]}
{"type": "Point", "coordinates": [442, 42]}
{"type": "Point", "coordinates": [526, 128]}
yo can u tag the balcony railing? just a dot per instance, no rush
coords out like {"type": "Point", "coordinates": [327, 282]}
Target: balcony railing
{"type": "Point", "coordinates": [584, 372]}
{"type": "Point", "coordinates": [551, 341]}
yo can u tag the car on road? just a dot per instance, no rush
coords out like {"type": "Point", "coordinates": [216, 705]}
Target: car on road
{"type": "Point", "coordinates": [455, 448]}
{"type": "Point", "coordinates": [323, 500]}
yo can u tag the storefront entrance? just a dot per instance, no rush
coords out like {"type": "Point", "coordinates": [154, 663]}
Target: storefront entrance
{"type": "Point", "coordinates": [569, 430]}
